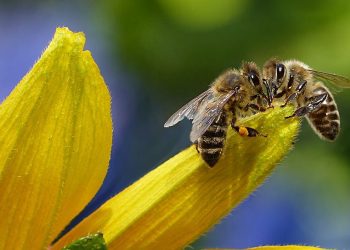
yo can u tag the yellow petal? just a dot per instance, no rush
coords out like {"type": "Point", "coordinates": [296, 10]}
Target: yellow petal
{"type": "Point", "coordinates": [181, 199]}
{"type": "Point", "coordinates": [55, 142]}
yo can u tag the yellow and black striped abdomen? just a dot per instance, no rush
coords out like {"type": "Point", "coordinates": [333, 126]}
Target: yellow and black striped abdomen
{"type": "Point", "coordinates": [325, 120]}
{"type": "Point", "coordinates": [211, 144]}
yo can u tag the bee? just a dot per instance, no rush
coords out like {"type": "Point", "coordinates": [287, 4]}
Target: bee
{"type": "Point", "coordinates": [295, 82]}
{"type": "Point", "coordinates": [235, 93]}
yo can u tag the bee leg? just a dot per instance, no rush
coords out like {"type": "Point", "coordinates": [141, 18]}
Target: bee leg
{"type": "Point", "coordinates": [299, 89]}
{"type": "Point", "coordinates": [262, 109]}
{"type": "Point", "coordinates": [260, 103]}
{"type": "Point", "coordinates": [301, 86]}
{"type": "Point", "coordinates": [196, 144]}
{"type": "Point", "coordinates": [289, 99]}
{"type": "Point", "coordinates": [251, 106]}
{"type": "Point", "coordinates": [299, 112]}
{"type": "Point", "coordinates": [253, 97]}
{"type": "Point", "coordinates": [315, 102]}
{"type": "Point", "coordinates": [280, 94]}
{"type": "Point", "coordinates": [254, 107]}
{"type": "Point", "coordinates": [246, 131]}
{"type": "Point", "coordinates": [258, 108]}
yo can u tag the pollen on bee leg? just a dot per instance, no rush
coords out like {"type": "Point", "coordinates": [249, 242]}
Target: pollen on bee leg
{"type": "Point", "coordinates": [246, 131]}
{"type": "Point", "coordinates": [242, 131]}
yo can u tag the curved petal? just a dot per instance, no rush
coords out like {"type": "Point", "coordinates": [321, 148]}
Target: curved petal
{"type": "Point", "coordinates": [55, 142]}
{"type": "Point", "coordinates": [181, 199]}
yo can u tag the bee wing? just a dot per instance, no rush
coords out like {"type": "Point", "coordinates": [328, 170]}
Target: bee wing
{"type": "Point", "coordinates": [337, 80]}
{"type": "Point", "coordinates": [188, 110]}
{"type": "Point", "coordinates": [209, 110]}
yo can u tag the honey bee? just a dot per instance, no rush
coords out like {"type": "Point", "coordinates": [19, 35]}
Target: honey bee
{"type": "Point", "coordinates": [234, 94]}
{"type": "Point", "coordinates": [295, 82]}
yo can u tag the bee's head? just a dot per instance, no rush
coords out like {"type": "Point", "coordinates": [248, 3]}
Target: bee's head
{"type": "Point", "coordinates": [274, 74]}
{"type": "Point", "coordinates": [251, 72]}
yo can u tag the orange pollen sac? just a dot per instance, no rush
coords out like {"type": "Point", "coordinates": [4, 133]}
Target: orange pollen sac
{"type": "Point", "coordinates": [243, 131]}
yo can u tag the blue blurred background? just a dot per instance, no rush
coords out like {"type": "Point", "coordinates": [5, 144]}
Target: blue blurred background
{"type": "Point", "coordinates": [156, 55]}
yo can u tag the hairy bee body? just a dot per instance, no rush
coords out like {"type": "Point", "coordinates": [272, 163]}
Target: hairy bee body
{"type": "Point", "coordinates": [325, 120]}
{"type": "Point", "coordinates": [294, 81]}
{"type": "Point", "coordinates": [233, 94]}
{"type": "Point", "coordinates": [211, 144]}
{"type": "Point", "coordinates": [238, 93]}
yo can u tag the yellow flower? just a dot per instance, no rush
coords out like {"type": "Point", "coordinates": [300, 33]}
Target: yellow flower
{"type": "Point", "coordinates": [55, 143]}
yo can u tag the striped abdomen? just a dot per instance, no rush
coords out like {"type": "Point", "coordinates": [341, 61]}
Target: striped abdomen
{"type": "Point", "coordinates": [211, 144]}
{"type": "Point", "coordinates": [325, 120]}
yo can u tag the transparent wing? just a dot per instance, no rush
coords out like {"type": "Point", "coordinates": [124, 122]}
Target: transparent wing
{"type": "Point", "coordinates": [188, 110]}
{"type": "Point", "coordinates": [208, 111]}
{"type": "Point", "coordinates": [337, 80]}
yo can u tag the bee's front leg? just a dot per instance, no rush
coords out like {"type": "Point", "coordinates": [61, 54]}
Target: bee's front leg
{"type": "Point", "coordinates": [299, 89]}
{"type": "Point", "coordinates": [315, 102]}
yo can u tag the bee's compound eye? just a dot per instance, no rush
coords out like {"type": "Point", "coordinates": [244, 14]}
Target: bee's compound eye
{"type": "Point", "coordinates": [254, 79]}
{"type": "Point", "coordinates": [280, 69]}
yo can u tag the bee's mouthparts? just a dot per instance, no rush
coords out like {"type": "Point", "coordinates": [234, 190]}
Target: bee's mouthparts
{"type": "Point", "coordinates": [269, 93]}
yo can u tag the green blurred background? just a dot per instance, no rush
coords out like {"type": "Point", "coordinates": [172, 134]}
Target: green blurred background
{"type": "Point", "coordinates": [158, 54]}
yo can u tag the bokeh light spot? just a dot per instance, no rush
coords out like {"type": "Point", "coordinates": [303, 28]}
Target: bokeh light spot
{"type": "Point", "coordinates": [202, 14]}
